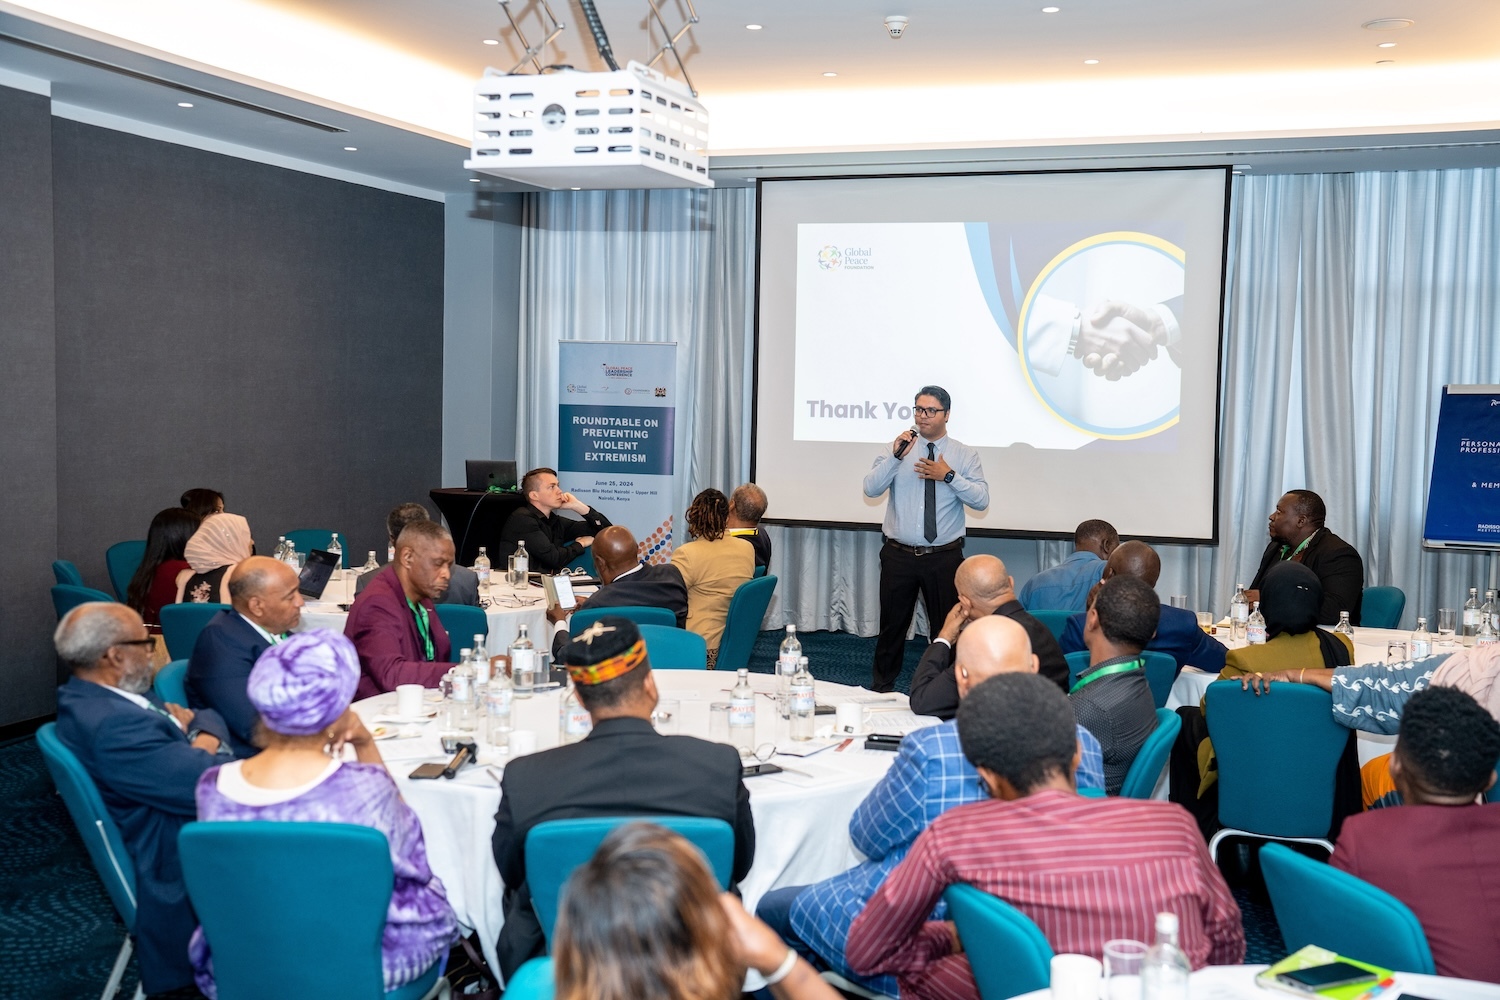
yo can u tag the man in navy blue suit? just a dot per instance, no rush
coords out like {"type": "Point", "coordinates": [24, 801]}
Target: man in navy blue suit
{"type": "Point", "coordinates": [1177, 631]}
{"type": "Point", "coordinates": [146, 757]}
{"type": "Point", "coordinates": [265, 606]}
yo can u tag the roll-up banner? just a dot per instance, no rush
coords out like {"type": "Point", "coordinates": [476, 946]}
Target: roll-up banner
{"type": "Point", "coordinates": [616, 417]}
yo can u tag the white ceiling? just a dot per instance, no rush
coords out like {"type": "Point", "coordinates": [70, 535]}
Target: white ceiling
{"type": "Point", "coordinates": [1282, 84]}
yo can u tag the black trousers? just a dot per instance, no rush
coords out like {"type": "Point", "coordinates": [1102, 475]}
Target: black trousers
{"type": "Point", "coordinates": [902, 577]}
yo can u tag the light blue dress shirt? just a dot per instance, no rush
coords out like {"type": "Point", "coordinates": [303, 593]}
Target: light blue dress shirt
{"type": "Point", "coordinates": [1064, 587]}
{"type": "Point", "coordinates": [903, 510]}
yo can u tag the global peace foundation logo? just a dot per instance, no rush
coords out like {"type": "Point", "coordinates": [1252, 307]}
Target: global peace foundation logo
{"type": "Point", "coordinates": [830, 258]}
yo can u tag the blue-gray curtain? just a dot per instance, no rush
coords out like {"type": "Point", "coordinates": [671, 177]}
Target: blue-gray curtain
{"type": "Point", "coordinates": [1351, 300]}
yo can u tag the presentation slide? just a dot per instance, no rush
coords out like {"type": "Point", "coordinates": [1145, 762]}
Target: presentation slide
{"type": "Point", "coordinates": [1074, 319]}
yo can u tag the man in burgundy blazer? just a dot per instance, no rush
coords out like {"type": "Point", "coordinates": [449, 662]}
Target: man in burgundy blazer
{"type": "Point", "coordinates": [394, 625]}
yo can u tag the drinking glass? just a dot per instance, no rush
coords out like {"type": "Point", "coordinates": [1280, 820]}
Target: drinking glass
{"type": "Point", "coordinates": [1206, 621]}
{"type": "Point", "coordinates": [1395, 651]}
{"type": "Point", "coordinates": [1123, 959]}
{"type": "Point", "coordinates": [718, 722]}
{"type": "Point", "coordinates": [1178, 600]}
{"type": "Point", "coordinates": [1447, 624]}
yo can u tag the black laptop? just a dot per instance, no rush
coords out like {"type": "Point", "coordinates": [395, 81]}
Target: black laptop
{"type": "Point", "coordinates": [316, 572]}
{"type": "Point", "coordinates": [486, 473]}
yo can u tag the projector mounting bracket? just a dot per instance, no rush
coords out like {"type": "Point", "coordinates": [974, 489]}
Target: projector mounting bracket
{"type": "Point", "coordinates": [670, 44]}
{"type": "Point", "coordinates": [601, 41]}
{"type": "Point", "coordinates": [532, 50]}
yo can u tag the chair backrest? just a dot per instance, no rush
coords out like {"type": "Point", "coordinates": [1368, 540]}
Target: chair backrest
{"type": "Point", "coordinates": [584, 561]}
{"type": "Point", "coordinates": [67, 573]}
{"type": "Point", "coordinates": [95, 825]}
{"type": "Point", "coordinates": [1277, 755]}
{"type": "Point", "coordinates": [290, 909]}
{"type": "Point", "coordinates": [1056, 621]}
{"type": "Point", "coordinates": [747, 608]}
{"type": "Point", "coordinates": [1078, 662]}
{"type": "Point", "coordinates": [556, 847]}
{"type": "Point", "coordinates": [1008, 953]}
{"type": "Point", "coordinates": [759, 571]}
{"type": "Point", "coordinates": [1145, 770]}
{"type": "Point", "coordinates": [181, 623]}
{"type": "Point", "coordinates": [637, 613]}
{"type": "Point", "coordinates": [1381, 607]}
{"type": "Point", "coordinates": [532, 981]}
{"type": "Point", "coordinates": [463, 622]}
{"type": "Point", "coordinates": [308, 539]}
{"type": "Point", "coordinates": [673, 648]}
{"type": "Point", "coordinates": [1315, 903]}
{"type": "Point", "coordinates": [1493, 794]}
{"type": "Point", "coordinates": [1161, 672]}
{"type": "Point", "coordinates": [122, 559]}
{"type": "Point", "coordinates": [66, 597]}
{"type": "Point", "coordinates": [171, 682]}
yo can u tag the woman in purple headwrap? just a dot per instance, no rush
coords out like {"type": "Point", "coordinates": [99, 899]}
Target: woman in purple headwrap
{"type": "Point", "coordinates": [302, 688]}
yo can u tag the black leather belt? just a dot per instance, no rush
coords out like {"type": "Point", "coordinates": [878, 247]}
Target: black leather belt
{"type": "Point", "coordinates": [925, 550]}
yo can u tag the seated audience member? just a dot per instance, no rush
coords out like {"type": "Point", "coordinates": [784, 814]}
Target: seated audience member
{"type": "Point", "coordinates": [265, 607]}
{"type": "Point", "coordinates": [301, 689]}
{"type": "Point", "coordinates": [623, 767]}
{"type": "Point", "coordinates": [747, 505]}
{"type": "Point", "coordinates": [221, 541]}
{"type": "Point", "coordinates": [627, 582]}
{"type": "Point", "coordinates": [203, 502]}
{"type": "Point", "coordinates": [1437, 852]}
{"type": "Point", "coordinates": [1084, 870]}
{"type": "Point", "coordinates": [928, 777]}
{"type": "Point", "coordinates": [1298, 535]}
{"type": "Point", "coordinates": [1066, 586]}
{"type": "Point", "coordinates": [1177, 631]}
{"type": "Point", "coordinates": [645, 918]}
{"type": "Point", "coordinates": [713, 565]}
{"type": "Point", "coordinates": [551, 541]}
{"type": "Point", "coordinates": [1290, 596]}
{"type": "Point", "coordinates": [1111, 697]}
{"type": "Point", "coordinates": [394, 624]}
{"type": "Point", "coordinates": [146, 757]}
{"type": "Point", "coordinates": [984, 589]}
{"type": "Point", "coordinates": [463, 584]}
{"type": "Point", "coordinates": [155, 581]}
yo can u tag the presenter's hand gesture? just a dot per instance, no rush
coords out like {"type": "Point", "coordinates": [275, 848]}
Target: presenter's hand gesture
{"type": "Point", "coordinates": [902, 443]}
{"type": "Point", "coordinates": [574, 504]}
{"type": "Point", "coordinates": [935, 468]}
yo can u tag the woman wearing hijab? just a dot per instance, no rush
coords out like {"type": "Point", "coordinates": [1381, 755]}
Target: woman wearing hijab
{"type": "Point", "coordinates": [220, 541]}
{"type": "Point", "coordinates": [1290, 596]}
{"type": "Point", "coordinates": [302, 688]}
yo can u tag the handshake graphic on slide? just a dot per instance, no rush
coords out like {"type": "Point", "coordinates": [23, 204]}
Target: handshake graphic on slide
{"type": "Point", "coordinates": [1117, 338]}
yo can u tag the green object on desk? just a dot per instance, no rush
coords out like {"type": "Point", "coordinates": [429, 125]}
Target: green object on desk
{"type": "Point", "coordinates": [1311, 956]}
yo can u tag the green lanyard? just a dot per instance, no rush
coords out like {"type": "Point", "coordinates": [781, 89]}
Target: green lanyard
{"type": "Point", "coordinates": [1298, 550]}
{"type": "Point", "coordinates": [1117, 668]}
{"type": "Point", "coordinates": [419, 612]}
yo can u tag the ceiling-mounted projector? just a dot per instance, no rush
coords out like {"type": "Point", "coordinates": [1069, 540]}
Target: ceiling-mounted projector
{"type": "Point", "coordinates": [629, 128]}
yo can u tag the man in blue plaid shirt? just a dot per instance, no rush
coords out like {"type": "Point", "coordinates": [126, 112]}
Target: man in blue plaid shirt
{"type": "Point", "coordinates": [929, 776]}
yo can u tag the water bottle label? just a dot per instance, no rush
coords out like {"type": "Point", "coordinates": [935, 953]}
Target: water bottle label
{"type": "Point", "coordinates": [522, 659]}
{"type": "Point", "coordinates": [787, 665]}
{"type": "Point", "coordinates": [742, 713]}
{"type": "Point", "coordinates": [803, 701]}
{"type": "Point", "coordinates": [1486, 639]}
{"type": "Point", "coordinates": [498, 700]}
{"type": "Point", "coordinates": [1420, 648]}
{"type": "Point", "coordinates": [484, 576]}
{"type": "Point", "coordinates": [461, 688]}
{"type": "Point", "coordinates": [1256, 635]}
{"type": "Point", "coordinates": [1471, 617]}
{"type": "Point", "coordinates": [577, 722]}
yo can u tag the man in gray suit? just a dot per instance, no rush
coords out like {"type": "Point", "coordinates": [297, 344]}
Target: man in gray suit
{"type": "Point", "coordinates": [463, 584]}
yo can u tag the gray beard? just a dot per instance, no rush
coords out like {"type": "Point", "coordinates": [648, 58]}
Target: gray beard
{"type": "Point", "coordinates": [137, 681]}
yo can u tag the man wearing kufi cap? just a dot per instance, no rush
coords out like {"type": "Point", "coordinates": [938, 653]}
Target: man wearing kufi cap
{"type": "Point", "coordinates": [622, 768]}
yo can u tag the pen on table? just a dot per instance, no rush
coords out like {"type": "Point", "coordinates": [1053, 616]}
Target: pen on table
{"type": "Point", "coordinates": [1377, 989]}
{"type": "Point", "coordinates": [844, 745]}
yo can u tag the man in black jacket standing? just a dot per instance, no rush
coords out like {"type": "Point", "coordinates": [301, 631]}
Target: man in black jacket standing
{"type": "Point", "coordinates": [551, 542]}
{"type": "Point", "coordinates": [1297, 534]}
{"type": "Point", "coordinates": [622, 768]}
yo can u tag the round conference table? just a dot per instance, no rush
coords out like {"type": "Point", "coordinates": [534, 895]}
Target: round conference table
{"type": "Point", "coordinates": [1237, 982]}
{"type": "Point", "coordinates": [801, 819]}
{"type": "Point", "coordinates": [508, 610]}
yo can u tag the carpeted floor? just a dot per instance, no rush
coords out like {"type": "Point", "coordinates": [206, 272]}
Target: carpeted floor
{"type": "Point", "coordinates": [59, 934]}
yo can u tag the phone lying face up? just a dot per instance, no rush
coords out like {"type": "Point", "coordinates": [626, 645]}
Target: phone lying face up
{"type": "Point", "coordinates": [1326, 977]}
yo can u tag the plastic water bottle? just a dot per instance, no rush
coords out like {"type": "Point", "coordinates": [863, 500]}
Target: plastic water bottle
{"type": "Point", "coordinates": [1165, 969]}
{"type": "Point", "coordinates": [1487, 610]}
{"type": "Point", "coordinates": [462, 716]}
{"type": "Point", "coordinates": [786, 666]}
{"type": "Point", "coordinates": [523, 562]}
{"type": "Point", "coordinates": [370, 566]}
{"type": "Point", "coordinates": [280, 554]}
{"type": "Point", "coordinates": [1255, 627]}
{"type": "Point", "coordinates": [1343, 627]}
{"type": "Point", "coordinates": [390, 553]}
{"type": "Point", "coordinates": [573, 722]}
{"type": "Point", "coordinates": [742, 713]}
{"type": "Point", "coordinates": [336, 550]}
{"type": "Point", "coordinates": [481, 662]}
{"type": "Point", "coordinates": [290, 556]}
{"type": "Point", "coordinates": [1486, 636]}
{"type": "Point", "coordinates": [1239, 613]}
{"type": "Point", "coordinates": [523, 664]}
{"type": "Point", "coordinates": [497, 711]}
{"type": "Point", "coordinates": [1421, 640]}
{"type": "Point", "coordinates": [482, 570]}
{"type": "Point", "coordinates": [1471, 613]}
{"type": "Point", "coordinates": [802, 701]}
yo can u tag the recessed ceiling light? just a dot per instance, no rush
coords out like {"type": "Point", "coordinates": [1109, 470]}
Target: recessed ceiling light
{"type": "Point", "coordinates": [1091, 62]}
{"type": "Point", "coordinates": [830, 73]}
{"type": "Point", "coordinates": [752, 27]}
{"type": "Point", "coordinates": [351, 149]}
{"type": "Point", "coordinates": [1388, 23]}
{"type": "Point", "coordinates": [473, 180]}
{"type": "Point", "coordinates": [184, 104]}
{"type": "Point", "coordinates": [492, 41]}
{"type": "Point", "coordinates": [1050, 10]}
{"type": "Point", "coordinates": [1385, 62]}
{"type": "Point", "coordinates": [577, 189]}
{"type": "Point", "coordinates": [1386, 45]}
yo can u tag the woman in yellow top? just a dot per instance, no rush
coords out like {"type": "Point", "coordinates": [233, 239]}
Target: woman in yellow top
{"type": "Point", "coordinates": [713, 566]}
{"type": "Point", "coordinates": [1289, 600]}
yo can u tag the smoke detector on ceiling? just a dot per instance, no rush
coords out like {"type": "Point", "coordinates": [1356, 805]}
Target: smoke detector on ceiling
{"type": "Point", "coordinates": [895, 25]}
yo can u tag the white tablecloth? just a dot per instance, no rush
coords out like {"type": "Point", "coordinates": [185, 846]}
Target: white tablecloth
{"type": "Point", "coordinates": [509, 609]}
{"type": "Point", "coordinates": [801, 823]}
{"type": "Point", "coordinates": [1237, 982]}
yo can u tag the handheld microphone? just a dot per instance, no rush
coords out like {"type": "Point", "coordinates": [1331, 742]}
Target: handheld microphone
{"type": "Point", "coordinates": [901, 451]}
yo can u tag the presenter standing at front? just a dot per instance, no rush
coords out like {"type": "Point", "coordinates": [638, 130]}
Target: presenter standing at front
{"type": "Point", "coordinates": [931, 479]}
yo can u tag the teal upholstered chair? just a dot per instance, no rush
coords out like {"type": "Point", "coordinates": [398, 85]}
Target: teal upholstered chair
{"type": "Point", "coordinates": [1056, 621]}
{"type": "Point", "coordinates": [556, 847]}
{"type": "Point", "coordinates": [66, 597]}
{"type": "Point", "coordinates": [307, 539]}
{"type": "Point", "coordinates": [532, 981]}
{"type": "Point", "coordinates": [67, 574]}
{"type": "Point", "coordinates": [181, 623]}
{"type": "Point", "coordinates": [1008, 953]}
{"type": "Point", "coordinates": [106, 849]}
{"type": "Point", "coordinates": [171, 682]}
{"type": "Point", "coordinates": [673, 648]}
{"type": "Point", "coordinates": [294, 909]}
{"type": "Point", "coordinates": [1161, 672]}
{"type": "Point", "coordinates": [463, 622]}
{"type": "Point", "coordinates": [1145, 770]}
{"type": "Point", "coordinates": [122, 559]}
{"type": "Point", "coordinates": [1315, 903]}
{"type": "Point", "coordinates": [636, 613]}
{"type": "Point", "coordinates": [747, 608]}
{"type": "Point", "coordinates": [1381, 607]}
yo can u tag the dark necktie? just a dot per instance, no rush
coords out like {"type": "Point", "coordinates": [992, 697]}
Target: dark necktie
{"type": "Point", "coordinates": [929, 500]}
